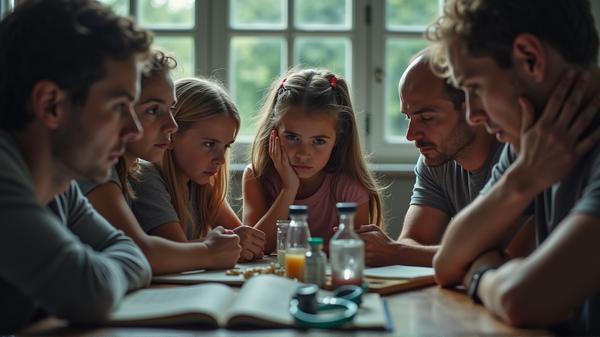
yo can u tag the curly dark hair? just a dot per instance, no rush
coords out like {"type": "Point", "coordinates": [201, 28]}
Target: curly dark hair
{"type": "Point", "coordinates": [160, 62]}
{"type": "Point", "coordinates": [64, 41]}
{"type": "Point", "coordinates": [489, 27]}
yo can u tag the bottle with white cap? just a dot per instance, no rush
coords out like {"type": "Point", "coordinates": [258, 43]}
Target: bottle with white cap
{"type": "Point", "coordinates": [346, 249]}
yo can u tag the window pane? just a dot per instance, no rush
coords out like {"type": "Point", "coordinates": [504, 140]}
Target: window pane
{"type": "Point", "coordinates": [120, 7]}
{"type": "Point", "coordinates": [182, 48]}
{"type": "Point", "coordinates": [331, 53]}
{"type": "Point", "coordinates": [166, 13]}
{"type": "Point", "coordinates": [258, 14]}
{"type": "Point", "coordinates": [410, 14]}
{"type": "Point", "coordinates": [254, 61]}
{"type": "Point", "coordinates": [323, 14]}
{"type": "Point", "coordinates": [397, 54]}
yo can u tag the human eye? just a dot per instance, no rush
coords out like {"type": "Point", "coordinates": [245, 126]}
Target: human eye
{"type": "Point", "coordinates": [121, 107]}
{"type": "Point", "coordinates": [319, 141]}
{"type": "Point", "coordinates": [425, 119]}
{"type": "Point", "coordinates": [209, 144]}
{"type": "Point", "coordinates": [291, 137]}
{"type": "Point", "coordinates": [153, 110]}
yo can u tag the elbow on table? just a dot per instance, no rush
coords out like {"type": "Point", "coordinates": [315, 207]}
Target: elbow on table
{"type": "Point", "coordinates": [444, 275]}
{"type": "Point", "coordinates": [85, 309]}
{"type": "Point", "coordinates": [520, 310]}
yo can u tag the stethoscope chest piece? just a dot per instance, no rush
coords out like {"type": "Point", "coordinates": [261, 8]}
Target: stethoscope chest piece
{"type": "Point", "coordinates": [326, 312]}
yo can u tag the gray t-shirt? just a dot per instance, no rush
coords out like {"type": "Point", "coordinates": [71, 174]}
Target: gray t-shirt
{"type": "Point", "coordinates": [153, 206]}
{"type": "Point", "coordinates": [63, 258]}
{"type": "Point", "coordinates": [449, 187]}
{"type": "Point", "coordinates": [578, 192]}
{"type": "Point", "coordinates": [87, 186]}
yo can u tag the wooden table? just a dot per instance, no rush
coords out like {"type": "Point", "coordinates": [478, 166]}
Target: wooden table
{"type": "Point", "coordinates": [425, 311]}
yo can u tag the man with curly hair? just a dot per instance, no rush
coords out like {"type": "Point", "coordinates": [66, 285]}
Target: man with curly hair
{"type": "Point", "coordinates": [525, 67]}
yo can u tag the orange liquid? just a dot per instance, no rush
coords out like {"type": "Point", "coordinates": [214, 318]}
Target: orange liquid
{"type": "Point", "coordinates": [294, 266]}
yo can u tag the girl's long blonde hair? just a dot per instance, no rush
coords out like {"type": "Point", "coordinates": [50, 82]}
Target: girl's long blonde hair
{"type": "Point", "coordinates": [160, 63]}
{"type": "Point", "coordinates": [197, 100]}
{"type": "Point", "coordinates": [313, 91]}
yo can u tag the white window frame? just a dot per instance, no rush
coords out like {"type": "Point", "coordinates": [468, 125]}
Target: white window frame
{"type": "Point", "coordinates": [383, 150]}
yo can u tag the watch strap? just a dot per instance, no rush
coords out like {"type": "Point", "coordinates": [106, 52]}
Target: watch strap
{"type": "Point", "coordinates": [475, 283]}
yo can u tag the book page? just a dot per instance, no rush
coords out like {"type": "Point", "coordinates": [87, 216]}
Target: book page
{"type": "Point", "coordinates": [399, 272]}
{"type": "Point", "coordinates": [265, 301]}
{"type": "Point", "coordinates": [176, 305]}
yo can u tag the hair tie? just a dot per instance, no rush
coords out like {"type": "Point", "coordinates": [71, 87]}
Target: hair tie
{"type": "Point", "coordinates": [333, 81]}
{"type": "Point", "coordinates": [282, 82]}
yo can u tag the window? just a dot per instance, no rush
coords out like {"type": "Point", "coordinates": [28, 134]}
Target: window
{"type": "Point", "coordinates": [248, 43]}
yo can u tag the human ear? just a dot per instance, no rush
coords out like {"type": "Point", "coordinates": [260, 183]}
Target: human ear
{"type": "Point", "coordinates": [47, 102]}
{"type": "Point", "coordinates": [529, 57]}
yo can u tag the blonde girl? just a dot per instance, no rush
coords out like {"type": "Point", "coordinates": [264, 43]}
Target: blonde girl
{"type": "Point", "coordinates": [183, 196]}
{"type": "Point", "coordinates": [307, 152]}
{"type": "Point", "coordinates": [114, 199]}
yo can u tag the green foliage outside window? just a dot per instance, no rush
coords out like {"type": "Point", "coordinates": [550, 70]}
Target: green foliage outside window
{"type": "Point", "coordinates": [254, 63]}
{"type": "Point", "coordinates": [263, 13]}
{"type": "Point", "coordinates": [328, 53]}
{"type": "Point", "coordinates": [166, 13]}
{"type": "Point", "coordinates": [397, 54]}
{"type": "Point", "coordinates": [320, 12]}
{"type": "Point", "coordinates": [410, 12]}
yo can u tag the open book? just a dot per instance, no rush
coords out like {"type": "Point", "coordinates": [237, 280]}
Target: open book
{"type": "Point", "coordinates": [263, 301]}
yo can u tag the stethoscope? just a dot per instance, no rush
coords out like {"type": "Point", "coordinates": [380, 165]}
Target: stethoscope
{"type": "Point", "coordinates": [312, 312]}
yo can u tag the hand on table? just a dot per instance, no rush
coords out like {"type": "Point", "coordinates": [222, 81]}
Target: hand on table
{"type": "Point", "coordinates": [252, 241]}
{"type": "Point", "coordinates": [380, 249]}
{"type": "Point", "coordinates": [223, 247]}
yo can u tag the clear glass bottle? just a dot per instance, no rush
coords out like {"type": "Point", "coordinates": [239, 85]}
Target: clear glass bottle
{"type": "Point", "coordinates": [282, 228]}
{"type": "Point", "coordinates": [314, 263]}
{"type": "Point", "coordinates": [346, 249]}
{"type": "Point", "coordinates": [296, 242]}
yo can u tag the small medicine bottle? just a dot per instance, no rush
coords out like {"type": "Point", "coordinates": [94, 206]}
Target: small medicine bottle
{"type": "Point", "coordinates": [314, 263]}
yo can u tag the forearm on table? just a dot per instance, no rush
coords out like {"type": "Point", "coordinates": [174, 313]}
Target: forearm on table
{"type": "Point", "coordinates": [167, 256]}
{"type": "Point", "coordinates": [413, 253]}
{"type": "Point", "coordinates": [489, 222]}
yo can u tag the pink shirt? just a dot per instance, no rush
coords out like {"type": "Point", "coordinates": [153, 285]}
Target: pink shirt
{"type": "Point", "coordinates": [322, 214]}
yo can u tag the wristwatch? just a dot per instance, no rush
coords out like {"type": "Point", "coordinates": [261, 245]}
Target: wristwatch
{"type": "Point", "coordinates": [475, 283]}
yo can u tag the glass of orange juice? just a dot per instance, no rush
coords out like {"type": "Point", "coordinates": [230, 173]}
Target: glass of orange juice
{"type": "Point", "coordinates": [294, 264]}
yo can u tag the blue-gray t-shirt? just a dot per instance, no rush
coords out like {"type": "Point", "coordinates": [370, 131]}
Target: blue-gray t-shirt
{"type": "Point", "coordinates": [63, 258]}
{"type": "Point", "coordinates": [449, 187]}
{"type": "Point", "coordinates": [153, 206]}
{"type": "Point", "coordinates": [578, 192]}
